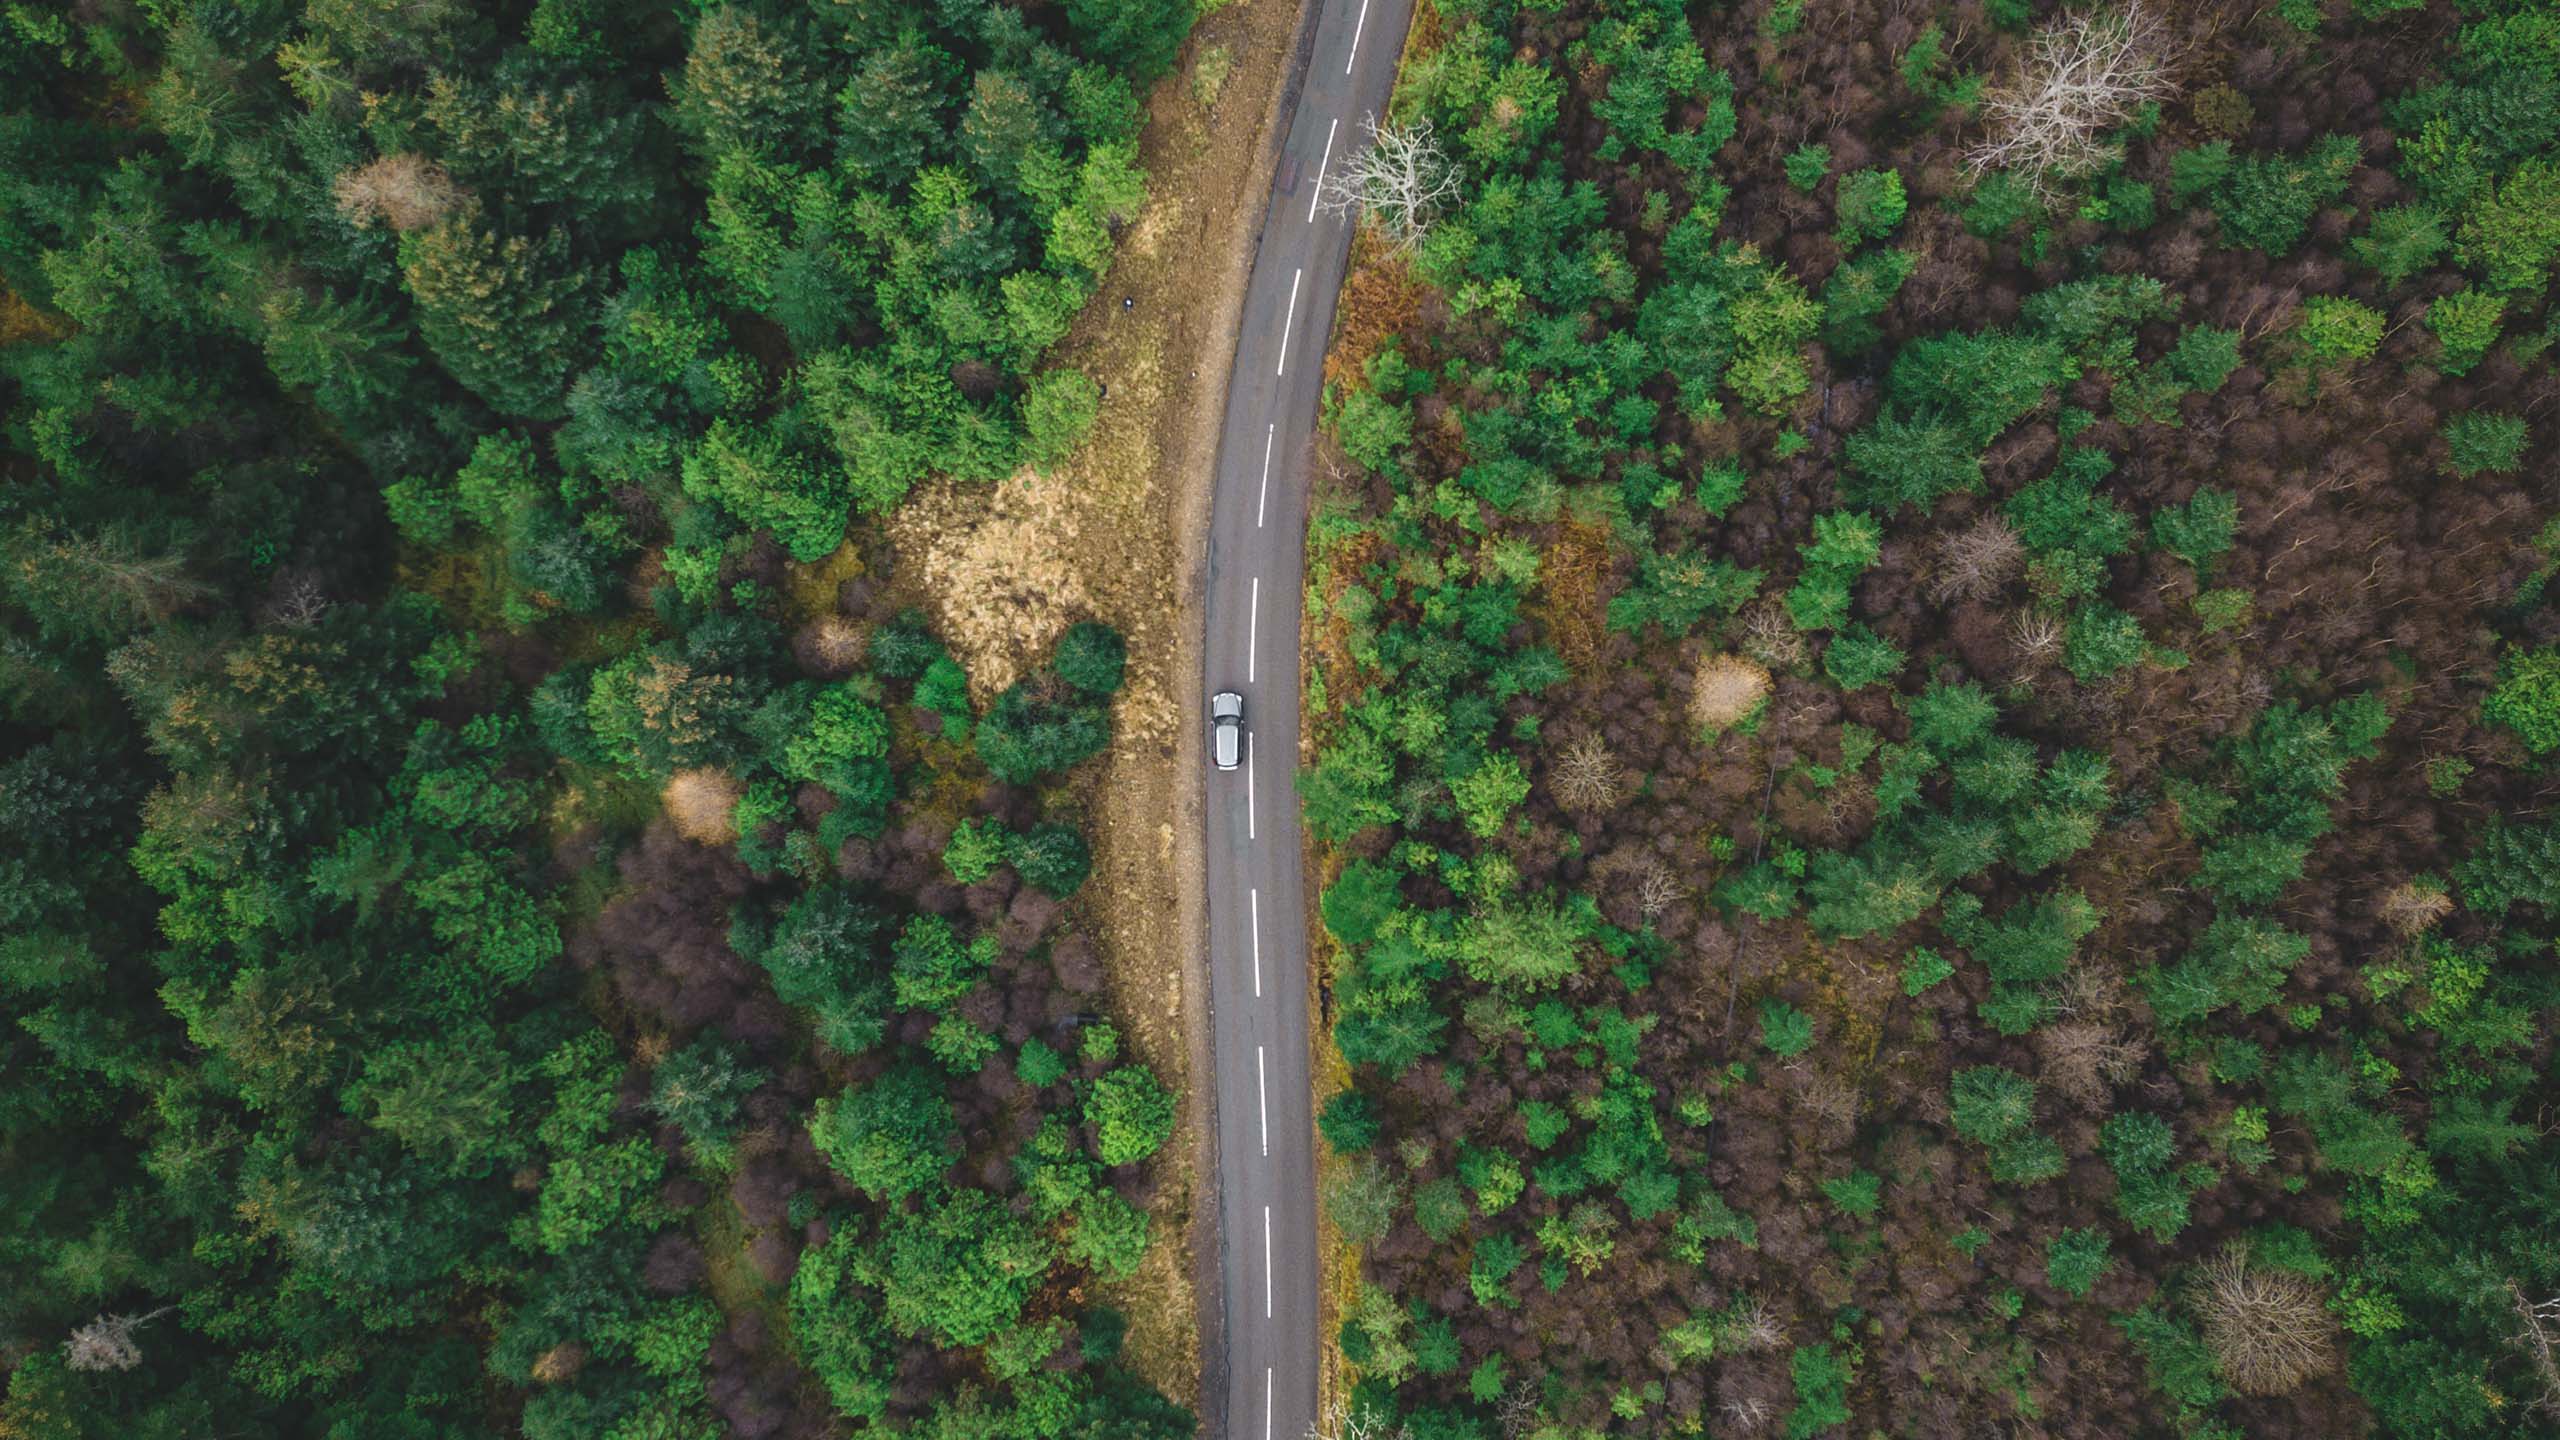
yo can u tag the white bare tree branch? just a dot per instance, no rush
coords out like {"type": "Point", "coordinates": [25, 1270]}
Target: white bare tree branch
{"type": "Point", "coordinates": [1342, 1423]}
{"type": "Point", "coordinates": [1398, 181]}
{"type": "Point", "coordinates": [1657, 889]}
{"type": "Point", "coordinates": [2082, 77]}
{"type": "Point", "coordinates": [106, 1343]}
{"type": "Point", "coordinates": [2539, 1338]}
{"type": "Point", "coordinates": [1588, 778]}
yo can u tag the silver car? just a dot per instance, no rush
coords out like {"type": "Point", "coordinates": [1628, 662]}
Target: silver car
{"type": "Point", "coordinates": [1226, 729]}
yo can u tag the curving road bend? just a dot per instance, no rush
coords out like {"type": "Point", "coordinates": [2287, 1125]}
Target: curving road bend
{"type": "Point", "coordinates": [1261, 1358]}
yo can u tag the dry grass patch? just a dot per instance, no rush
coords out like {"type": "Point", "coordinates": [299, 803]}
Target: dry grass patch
{"type": "Point", "coordinates": [1209, 75]}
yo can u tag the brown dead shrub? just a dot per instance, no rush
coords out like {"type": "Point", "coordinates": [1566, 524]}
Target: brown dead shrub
{"type": "Point", "coordinates": [406, 191]}
{"type": "Point", "coordinates": [1974, 563]}
{"type": "Point", "coordinates": [2084, 1060]}
{"type": "Point", "coordinates": [2412, 909]}
{"type": "Point", "coordinates": [21, 322]}
{"type": "Point", "coordinates": [1380, 300]}
{"type": "Point", "coordinates": [1727, 688]}
{"type": "Point", "coordinates": [830, 646]}
{"type": "Point", "coordinates": [703, 804]}
{"type": "Point", "coordinates": [1569, 572]}
{"type": "Point", "coordinates": [561, 1363]}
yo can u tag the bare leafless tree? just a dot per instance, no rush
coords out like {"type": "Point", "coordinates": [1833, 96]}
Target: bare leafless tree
{"type": "Point", "coordinates": [1825, 1099]}
{"type": "Point", "coordinates": [1398, 181]}
{"type": "Point", "coordinates": [1657, 889]}
{"type": "Point", "coordinates": [2269, 1329]}
{"type": "Point", "coordinates": [2036, 635]}
{"type": "Point", "coordinates": [831, 645]}
{"type": "Point", "coordinates": [2084, 1060]}
{"type": "Point", "coordinates": [703, 803]}
{"type": "Point", "coordinates": [1520, 1410]}
{"type": "Point", "coordinates": [1847, 806]}
{"type": "Point", "coordinates": [1588, 778]}
{"type": "Point", "coordinates": [299, 603]}
{"type": "Point", "coordinates": [107, 1343]}
{"type": "Point", "coordinates": [2538, 1336]}
{"type": "Point", "coordinates": [1754, 1326]}
{"type": "Point", "coordinates": [2083, 993]}
{"type": "Point", "coordinates": [2083, 76]}
{"type": "Point", "coordinates": [1341, 1422]}
{"type": "Point", "coordinates": [1746, 1413]}
{"type": "Point", "coordinates": [1769, 634]}
{"type": "Point", "coordinates": [1976, 561]}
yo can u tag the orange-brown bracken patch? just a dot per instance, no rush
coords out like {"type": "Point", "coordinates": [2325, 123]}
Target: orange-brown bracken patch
{"type": "Point", "coordinates": [1380, 299]}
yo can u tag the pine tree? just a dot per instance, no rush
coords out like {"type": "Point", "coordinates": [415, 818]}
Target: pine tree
{"type": "Point", "coordinates": [526, 139]}
{"type": "Point", "coordinates": [501, 312]}
{"type": "Point", "coordinates": [349, 354]}
{"type": "Point", "coordinates": [889, 112]}
{"type": "Point", "coordinates": [746, 86]}
{"type": "Point", "coordinates": [1140, 36]}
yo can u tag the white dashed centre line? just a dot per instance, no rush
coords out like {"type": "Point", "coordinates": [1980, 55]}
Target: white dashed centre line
{"type": "Point", "coordinates": [1287, 318]}
{"type": "Point", "coordinates": [1320, 164]}
{"type": "Point", "coordinates": [1266, 1262]}
{"type": "Point", "coordinates": [1270, 433]}
{"type": "Point", "coordinates": [1252, 628]}
{"type": "Point", "coordinates": [1256, 897]}
{"type": "Point", "coordinates": [1262, 1099]}
{"type": "Point", "coordinates": [1361, 24]}
{"type": "Point", "coordinates": [1248, 785]}
{"type": "Point", "coordinates": [1266, 1402]}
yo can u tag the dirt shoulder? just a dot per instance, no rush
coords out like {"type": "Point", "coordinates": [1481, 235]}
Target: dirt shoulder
{"type": "Point", "coordinates": [1119, 532]}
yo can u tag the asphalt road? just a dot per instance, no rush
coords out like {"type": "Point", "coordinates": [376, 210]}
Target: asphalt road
{"type": "Point", "coordinates": [1264, 1347]}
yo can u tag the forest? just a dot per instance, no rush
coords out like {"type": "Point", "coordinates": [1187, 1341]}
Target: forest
{"type": "Point", "coordinates": [515, 924]}
{"type": "Point", "coordinates": [1931, 648]}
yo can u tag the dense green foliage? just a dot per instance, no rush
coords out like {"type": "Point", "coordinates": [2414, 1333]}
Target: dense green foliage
{"type": "Point", "coordinates": [409, 411]}
{"type": "Point", "coordinates": [1929, 759]}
